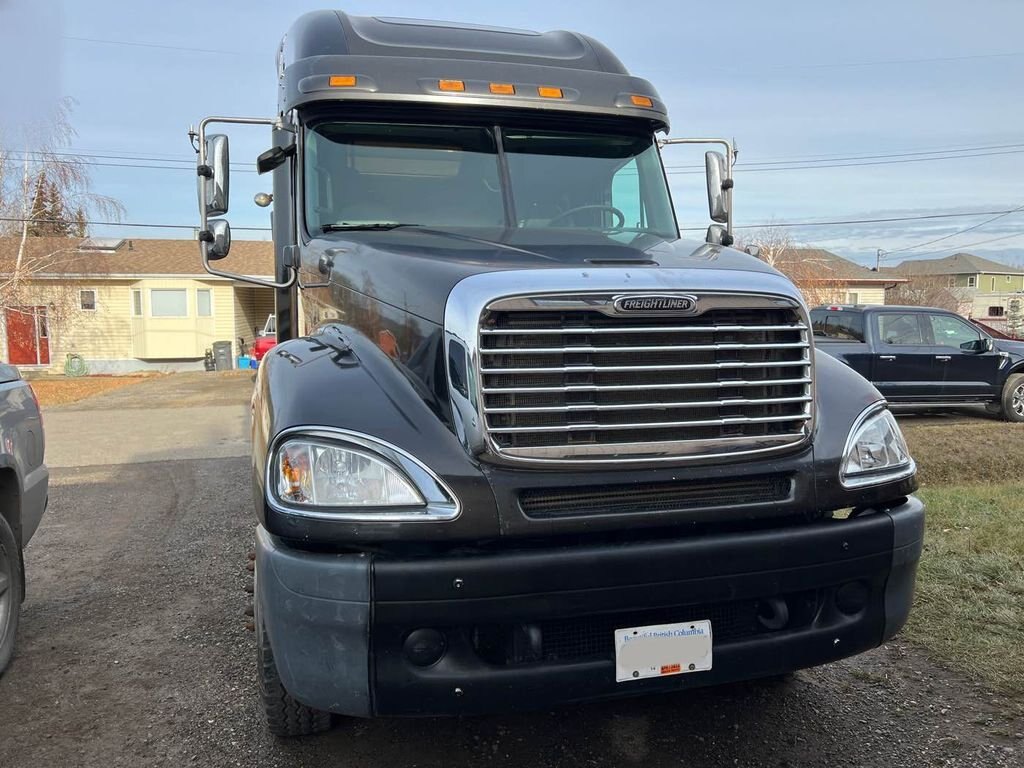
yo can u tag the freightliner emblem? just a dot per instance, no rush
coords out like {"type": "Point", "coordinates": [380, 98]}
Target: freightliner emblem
{"type": "Point", "coordinates": [656, 303]}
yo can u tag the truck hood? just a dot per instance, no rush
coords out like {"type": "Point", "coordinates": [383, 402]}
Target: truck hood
{"type": "Point", "coordinates": [414, 269]}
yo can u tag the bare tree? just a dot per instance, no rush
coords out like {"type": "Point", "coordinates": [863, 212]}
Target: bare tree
{"type": "Point", "coordinates": [774, 242]}
{"type": "Point", "coordinates": [924, 291]}
{"type": "Point", "coordinates": [45, 201]}
{"type": "Point", "coordinates": [814, 277]}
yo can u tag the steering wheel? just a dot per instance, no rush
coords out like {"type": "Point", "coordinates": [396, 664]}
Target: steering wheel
{"type": "Point", "coordinates": [614, 211]}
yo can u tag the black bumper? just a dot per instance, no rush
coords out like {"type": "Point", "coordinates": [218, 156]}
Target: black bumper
{"type": "Point", "coordinates": [533, 628]}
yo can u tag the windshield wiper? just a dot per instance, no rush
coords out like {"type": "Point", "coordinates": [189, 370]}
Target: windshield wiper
{"type": "Point", "coordinates": [364, 226]}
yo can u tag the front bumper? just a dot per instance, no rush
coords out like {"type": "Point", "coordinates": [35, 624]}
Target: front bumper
{"type": "Point", "coordinates": [532, 627]}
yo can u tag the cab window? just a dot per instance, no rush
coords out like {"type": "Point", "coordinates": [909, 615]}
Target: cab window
{"type": "Point", "coordinates": [949, 331]}
{"type": "Point", "coordinates": [900, 329]}
{"type": "Point", "coordinates": [838, 326]}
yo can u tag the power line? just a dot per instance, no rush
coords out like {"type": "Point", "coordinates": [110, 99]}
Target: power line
{"type": "Point", "coordinates": [853, 157]}
{"type": "Point", "coordinates": [134, 44]}
{"type": "Point", "coordinates": [122, 224]}
{"type": "Point", "coordinates": [767, 225]}
{"type": "Point", "coordinates": [747, 169]}
{"type": "Point", "coordinates": [958, 232]}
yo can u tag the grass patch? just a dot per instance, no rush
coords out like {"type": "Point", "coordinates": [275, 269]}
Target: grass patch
{"type": "Point", "coordinates": [959, 453]}
{"type": "Point", "coordinates": [969, 608]}
{"type": "Point", "coordinates": [61, 390]}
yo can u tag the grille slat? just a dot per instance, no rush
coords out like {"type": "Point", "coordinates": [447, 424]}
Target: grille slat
{"type": "Point", "coordinates": [656, 348]}
{"type": "Point", "coordinates": [633, 387]}
{"type": "Point", "coordinates": [579, 378]}
{"type": "Point", "coordinates": [572, 407]}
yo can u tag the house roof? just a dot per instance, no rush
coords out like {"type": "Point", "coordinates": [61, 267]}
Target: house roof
{"type": "Point", "coordinates": [54, 257]}
{"type": "Point", "coordinates": [829, 266]}
{"type": "Point", "coordinates": [957, 264]}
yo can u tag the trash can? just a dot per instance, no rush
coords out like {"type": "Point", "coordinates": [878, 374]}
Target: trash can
{"type": "Point", "coordinates": [222, 356]}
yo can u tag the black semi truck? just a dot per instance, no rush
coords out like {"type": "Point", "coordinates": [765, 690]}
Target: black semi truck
{"type": "Point", "coordinates": [520, 445]}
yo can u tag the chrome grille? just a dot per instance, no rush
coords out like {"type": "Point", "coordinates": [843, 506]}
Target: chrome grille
{"type": "Point", "coordinates": [586, 383]}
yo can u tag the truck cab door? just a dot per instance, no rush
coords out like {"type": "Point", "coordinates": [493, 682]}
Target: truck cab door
{"type": "Point", "coordinates": [903, 368]}
{"type": "Point", "coordinates": [966, 371]}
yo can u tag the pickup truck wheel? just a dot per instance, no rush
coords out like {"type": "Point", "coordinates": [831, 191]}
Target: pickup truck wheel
{"type": "Point", "coordinates": [1013, 398]}
{"type": "Point", "coordinates": [284, 715]}
{"type": "Point", "coordinates": [11, 583]}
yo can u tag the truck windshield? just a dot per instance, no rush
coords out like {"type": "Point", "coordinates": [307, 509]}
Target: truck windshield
{"type": "Point", "coordinates": [377, 176]}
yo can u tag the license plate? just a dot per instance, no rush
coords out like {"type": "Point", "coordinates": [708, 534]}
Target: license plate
{"type": "Point", "coordinates": [662, 649]}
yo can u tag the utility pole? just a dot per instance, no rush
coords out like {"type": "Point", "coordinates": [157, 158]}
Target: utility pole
{"type": "Point", "coordinates": [879, 255]}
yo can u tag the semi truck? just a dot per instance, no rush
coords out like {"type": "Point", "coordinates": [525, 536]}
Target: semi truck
{"type": "Point", "coordinates": [520, 444]}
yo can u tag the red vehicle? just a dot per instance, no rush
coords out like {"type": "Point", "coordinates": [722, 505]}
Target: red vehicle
{"type": "Point", "coordinates": [266, 339]}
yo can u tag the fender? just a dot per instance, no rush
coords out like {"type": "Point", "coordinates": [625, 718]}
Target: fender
{"type": "Point", "coordinates": [338, 378]}
{"type": "Point", "coordinates": [841, 395]}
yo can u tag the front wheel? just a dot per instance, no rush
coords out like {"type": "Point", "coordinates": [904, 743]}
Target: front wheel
{"type": "Point", "coordinates": [11, 590]}
{"type": "Point", "coordinates": [284, 715]}
{"type": "Point", "coordinates": [1013, 398]}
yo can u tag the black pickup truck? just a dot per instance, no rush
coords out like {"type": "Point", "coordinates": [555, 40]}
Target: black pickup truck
{"type": "Point", "coordinates": [924, 356]}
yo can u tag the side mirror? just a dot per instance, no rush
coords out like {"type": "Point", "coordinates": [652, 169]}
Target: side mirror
{"type": "Point", "coordinates": [217, 239]}
{"type": "Point", "coordinates": [215, 175]}
{"type": "Point", "coordinates": [717, 235]}
{"type": "Point", "coordinates": [979, 346]}
{"type": "Point", "coordinates": [718, 183]}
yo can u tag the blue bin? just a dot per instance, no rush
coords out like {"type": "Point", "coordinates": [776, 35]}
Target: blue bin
{"type": "Point", "coordinates": [243, 362]}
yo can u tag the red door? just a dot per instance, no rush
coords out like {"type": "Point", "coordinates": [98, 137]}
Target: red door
{"type": "Point", "coordinates": [28, 340]}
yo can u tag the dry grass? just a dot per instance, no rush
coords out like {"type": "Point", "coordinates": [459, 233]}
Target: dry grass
{"type": "Point", "coordinates": [59, 391]}
{"type": "Point", "coordinates": [969, 609]}
{"type": "Point", "coordinates": [978, 450]}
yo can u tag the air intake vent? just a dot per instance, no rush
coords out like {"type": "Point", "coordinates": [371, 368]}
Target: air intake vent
{"type": "Point", "coordinates": [546, 503]}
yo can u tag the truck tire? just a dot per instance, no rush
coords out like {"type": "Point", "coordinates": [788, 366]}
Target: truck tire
{"type": "Point", "coordinates": [1013, 398]}
{"type": "Point", "coordinates": [284, 715]}
{"type": "Point", "coordinates": [11, 590]}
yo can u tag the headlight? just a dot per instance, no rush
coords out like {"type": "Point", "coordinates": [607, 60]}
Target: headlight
{"type": "Point", "coordinates": [339, 475]}
{"type": "Point", "coordinates": [875, 451]}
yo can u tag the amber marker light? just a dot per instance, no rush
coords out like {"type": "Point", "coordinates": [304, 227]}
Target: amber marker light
{"type": "Point", "coordinates": [641, 101]}
{"type": "Point", "coordinates": [342, 81]}
{"type": "Point", "coordinates": [503, 89]}
{"type": "Point", "coordinates": [549, 92]}
{"type": "Point", "coordinates": [451, 85]}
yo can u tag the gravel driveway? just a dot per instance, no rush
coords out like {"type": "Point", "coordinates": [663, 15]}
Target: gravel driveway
{"type": "Point", "coordinates": [133, 649]}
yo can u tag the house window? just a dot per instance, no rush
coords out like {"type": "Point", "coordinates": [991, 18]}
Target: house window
{"type": "Point", "coordinates": [168, 302]}
{"type": "Point", "coordinates": [87, 300]}
{"type": "Point", "coordinates": [852, 297]}
{"type": "Point", "coordinates": [136, 303]}
{"type": "Point", "coordinates": [1008, 278]}
{"type": "Point", "coordinates": [995, 311]}
{"type": "Point", "coordinates": [972, 281]}
{"type": "Point", "coordinates": [204, 307]}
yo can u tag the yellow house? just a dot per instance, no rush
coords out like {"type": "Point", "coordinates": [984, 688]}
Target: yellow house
{"type": "Point", "coordinates": [126, 305]}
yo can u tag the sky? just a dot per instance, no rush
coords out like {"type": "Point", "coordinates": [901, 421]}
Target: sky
{"type": "Point", "coordinates": [882, 88]}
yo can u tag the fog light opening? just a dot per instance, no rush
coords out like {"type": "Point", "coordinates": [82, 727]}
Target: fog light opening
{"type": "Point", "coordinates": [772, 613]}
{"type": "Point", "coordinates": [424, 647]}
{"type": "Point", "coordinates": [852, 597]}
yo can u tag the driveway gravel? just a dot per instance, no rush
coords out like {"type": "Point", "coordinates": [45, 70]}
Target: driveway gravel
{"type": "Point", "coordinates": [133, 649]}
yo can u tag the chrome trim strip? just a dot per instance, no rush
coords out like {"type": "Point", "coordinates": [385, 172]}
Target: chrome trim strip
{"type": "Point", "coordinates": [442, 504]}
{"type": "Point", "coordinates": [623, 387]}
{"type": "Point", "coordinates": [724, 347]}
{"type": "Point", "coordinates": [594, 288]}
{"type": "Point", "coordinates": [680, 367]}
{"type": "Point", "coordinates": [572, 331]}
{"type": "Point", "coordinates": [647, 406]}
{"type": "Point", "coordinates": [652, 424]}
